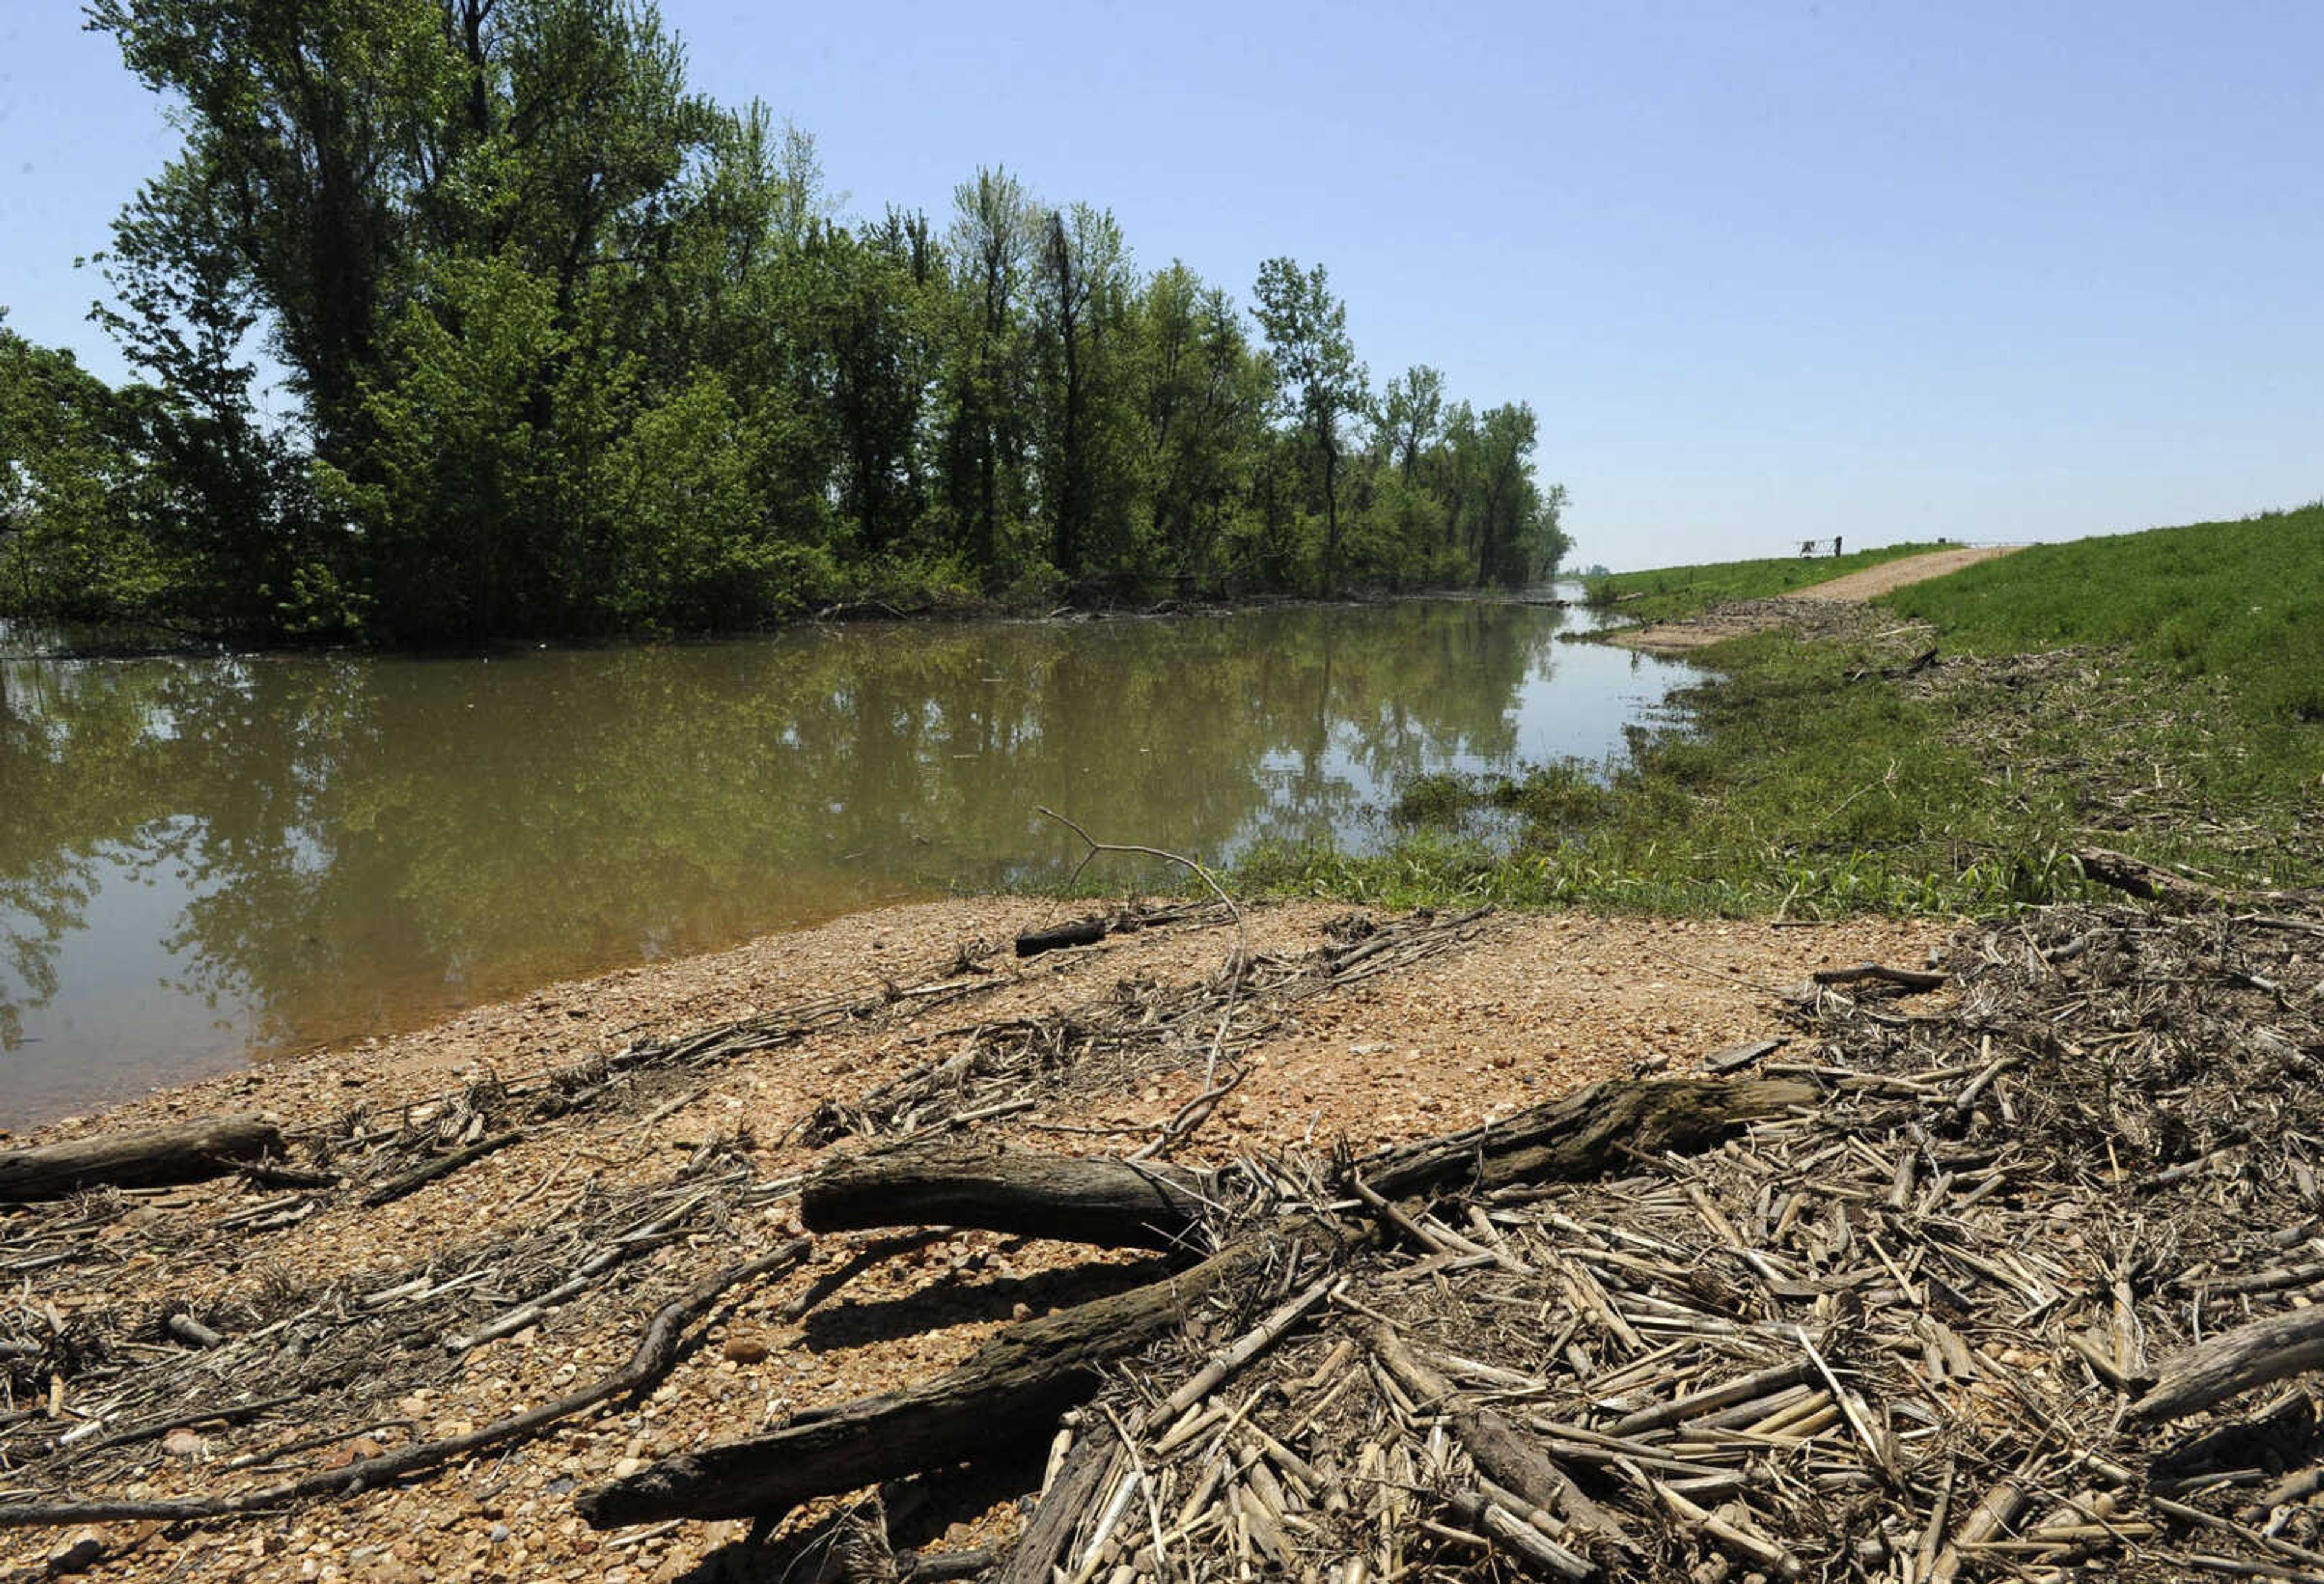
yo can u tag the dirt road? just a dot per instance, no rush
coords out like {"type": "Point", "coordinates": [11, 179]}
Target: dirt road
{"type": "Point", "coordinates": [1739, 618]}
{"type": "Point", "coordinates": [1875, 581]}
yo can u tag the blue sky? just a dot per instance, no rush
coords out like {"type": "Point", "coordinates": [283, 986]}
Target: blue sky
{"type": "Point", "coordinates": [1766, 273]}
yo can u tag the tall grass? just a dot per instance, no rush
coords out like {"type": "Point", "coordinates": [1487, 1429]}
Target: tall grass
{"type": "Point", "coordinates": [2242, 601]}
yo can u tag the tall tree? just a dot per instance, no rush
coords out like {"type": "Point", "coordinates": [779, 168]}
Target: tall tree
{"type": "Point", "coordinates": [1079, 301]}
{"type": "Point", "coordinates": [1307, 332]}
{"type": "Point", "coordinates": [1507, 499]}
{"type": "Point", "coordinates": [1411, 410]}
{"type": "Point", "coordinates": [304, 122]}
{"type": "Point", "coordinates": [1202, 401]}
{"type": "Point", "coordinates": [991, 245]}
{"type": "Point", "coordinates": [879, 299]}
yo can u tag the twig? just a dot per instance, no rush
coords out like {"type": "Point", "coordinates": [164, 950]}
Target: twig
{"type": "Point", "coordinates": [656, 1350]}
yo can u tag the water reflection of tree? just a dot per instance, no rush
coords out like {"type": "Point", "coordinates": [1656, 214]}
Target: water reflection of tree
{"type": "Point", "coordinates": [358, 832]}
{"type": "Point", "coordinates": [77, 746]}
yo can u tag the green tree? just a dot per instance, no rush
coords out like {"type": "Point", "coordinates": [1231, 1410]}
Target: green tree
{"type": "Point", "coordinates": [71, 483]}
{"type": "Point", "coordinates": [1307, 332]}
{"type": "Point", "coordinates": [1080, 304]}
{"type": "Point", "coordinates": [1202, 401]}
{"type": "Point", "coordinates": [991, 246]}
{"type": "Point", "coordinates": [305, 125]}
{"type": "Point", "coordinates": [876, 307]}
{"type": "Point", "coordinates": [1411, 411]}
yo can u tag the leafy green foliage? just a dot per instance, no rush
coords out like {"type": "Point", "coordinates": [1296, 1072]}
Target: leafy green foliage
{"type": "Point", "coordinates": [68, 478]}
{"type": "Point", "coordinates": [576, 351]}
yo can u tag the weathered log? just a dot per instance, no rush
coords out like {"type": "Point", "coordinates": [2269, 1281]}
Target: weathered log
{"type": "Point", "coordinates": [1584, 1135]}
{"type": "Point", "coordinates": [1063, 1509]}
{"type": "Point", "coordinates": [1910, 979]}
{"type": "Point", "coordinates": [186, 1152]}
{"type": "Point", "coordinates": [1013, 1388]}
{"type": "Point", "coordinates": [1086, 932]}
{"type": "Point", "coordinates": [2235, 1362]}
{"type": "Point", "coordinates": [1019, 1382]}
{"type": "Point", "coordinates": [2144, 881]}
{"type": "Point", "coordinates": [978, 1183]}
{"type": "Point", "coordinates": [1122, 1203]}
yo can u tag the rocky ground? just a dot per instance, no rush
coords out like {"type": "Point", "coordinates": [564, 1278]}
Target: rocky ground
{"type": "Point", "coordinates": [351, 1312]}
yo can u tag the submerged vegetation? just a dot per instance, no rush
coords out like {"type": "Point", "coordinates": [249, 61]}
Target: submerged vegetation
{"type": "Point", "coordinates": [2156, 692]}
{"type": "Point", "coordinates": [569, 349]}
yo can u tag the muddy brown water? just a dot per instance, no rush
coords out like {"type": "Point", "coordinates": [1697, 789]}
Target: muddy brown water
{"type": "Point", "coordinates": [204, 859]}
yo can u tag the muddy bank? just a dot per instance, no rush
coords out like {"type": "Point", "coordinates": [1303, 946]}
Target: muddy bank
{"type": "Point", "coordinates": [355, 1312]}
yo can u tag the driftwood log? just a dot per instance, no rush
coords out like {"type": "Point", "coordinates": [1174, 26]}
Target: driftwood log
{"type": "Point", "coordinates": [2220, 1367]}
{"type": "Point", "coordinates": [997, 1187]}
{"type": "Point", "coordinates": [2136, 878]}
{"type": "Point", "coordinates": [1584, 1135]}
{"type": "Point", "coordinates": [1014, 1386]}
{"type": "Point", "coordinates": [1086, 932]}
{"type": "Point", "coordinates": [1019, 1383]}
{"type": "Point", "coordinates": [187, 1152]}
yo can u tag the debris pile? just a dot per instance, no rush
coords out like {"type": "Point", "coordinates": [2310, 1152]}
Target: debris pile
{"type": "Point", "coordinates": [2023, 1293]}
{"type": "Point", "coordinates": [2000, 1272]}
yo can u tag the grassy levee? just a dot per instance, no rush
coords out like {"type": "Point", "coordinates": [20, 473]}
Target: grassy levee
{"type": "Point", "coordinates": [2160, 692]}
{"type": "Point", "coordinates": [1669, 592]}
{"type": "Point", "coordinates": [2242, 602]}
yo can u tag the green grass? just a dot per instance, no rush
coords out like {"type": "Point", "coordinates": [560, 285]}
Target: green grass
{"type": "Point", "coordinates": [2183, 723]}
{"type": "Point", "coordinates": [2240, 600]}
{"type": "Point", "coordinates": [1682, 591]}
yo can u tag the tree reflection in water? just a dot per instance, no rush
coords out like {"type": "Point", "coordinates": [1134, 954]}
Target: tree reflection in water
{"type": "Point", "coordinates": [346, 844]}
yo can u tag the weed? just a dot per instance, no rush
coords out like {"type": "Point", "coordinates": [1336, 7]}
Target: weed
{"type": "Point", "coordinates": [2162, 692]}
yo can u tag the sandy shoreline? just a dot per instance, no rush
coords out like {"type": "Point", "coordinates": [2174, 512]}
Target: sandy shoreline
{"type": "Point", "coordinates": [1524, 1008]}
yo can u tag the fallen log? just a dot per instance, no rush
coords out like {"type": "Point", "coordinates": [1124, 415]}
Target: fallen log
{"type": "Point", "coordinates": [1000, 1188]}
{"type": "Point", "coordinates": [1013, 1388]}
{"type": "Point", "coordinates": [1016, 1385]}
{"type": "Point", "coordinates": [1142, 1204]}
{"type": "Point", "coordinates": [1086, 932]}
{"type": "Point", "coordinates": [154, 1157]}
{"type": "Point", "coordinates": [2235, 1362]}
{"type": "Point", "coordinates": [1910, 979]}
{"type": "Point", "coordinates": [1584, 1135]}
{"type": "Point", "coordinates": [2144, 881]}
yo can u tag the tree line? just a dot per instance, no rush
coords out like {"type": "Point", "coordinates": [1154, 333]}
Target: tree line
{"type": "Point", "coordinates": [568, 349]}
